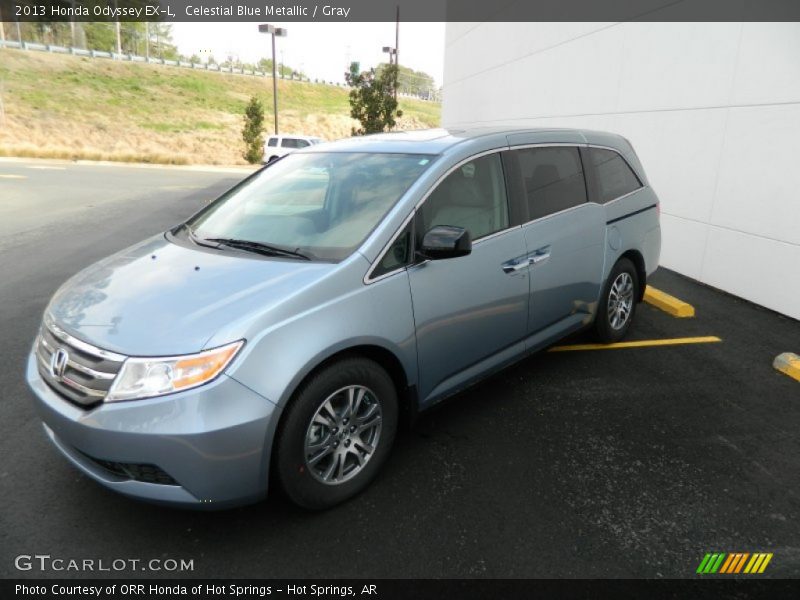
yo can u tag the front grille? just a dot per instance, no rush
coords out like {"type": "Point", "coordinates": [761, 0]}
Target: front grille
{"type": "Point", "coordinates": [135, 471]}
{"type": "Point", "coordinates": [84, 373]}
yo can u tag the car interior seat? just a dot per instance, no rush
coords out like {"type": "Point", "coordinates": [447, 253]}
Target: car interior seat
{"type": "Point", "coordinates": [465, 199]}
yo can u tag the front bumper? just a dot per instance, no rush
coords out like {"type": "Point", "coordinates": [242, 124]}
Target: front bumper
{"type": "Point", "coordinates": [214, 441]}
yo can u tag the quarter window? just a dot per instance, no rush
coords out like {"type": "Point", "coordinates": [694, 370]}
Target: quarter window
{"type": "Point", "coordinates": [399, 254]}
{"type": "Point", "coordinates": [553, 179]}
{"type": "Point", "coordinates": [272, 142]}
{"type": "Point", "coordinates": [614, 177]}
{"type": "Point", "coordinates": [473, 197]}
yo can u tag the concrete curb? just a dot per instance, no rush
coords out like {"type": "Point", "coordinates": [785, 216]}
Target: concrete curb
{"type": "Point", "coordinates": [788, 363]}
{"type": "Point", "coordinates": [669, 304]}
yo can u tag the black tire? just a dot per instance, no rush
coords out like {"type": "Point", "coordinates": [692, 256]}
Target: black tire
{"type": "Point", "coordinates": [301, 482]}
{"type": "Point", "coordinates": [272, 158]}
{"type": "Point", "coordinates": [606, 330]}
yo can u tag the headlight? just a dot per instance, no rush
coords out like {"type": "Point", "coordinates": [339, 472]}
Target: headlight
{"type": "Point", "coordinates": [147, 377]}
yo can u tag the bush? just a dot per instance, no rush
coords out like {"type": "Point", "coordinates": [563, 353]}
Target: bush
{"type": "Point", "coordinates": [252, 131]}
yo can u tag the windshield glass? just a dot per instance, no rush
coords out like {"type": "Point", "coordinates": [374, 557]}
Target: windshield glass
{"type": "Point", "coordinates": [320, 204]}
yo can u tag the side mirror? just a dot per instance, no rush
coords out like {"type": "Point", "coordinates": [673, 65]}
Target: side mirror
{"type": "Point", "coordinates": [445, 241]}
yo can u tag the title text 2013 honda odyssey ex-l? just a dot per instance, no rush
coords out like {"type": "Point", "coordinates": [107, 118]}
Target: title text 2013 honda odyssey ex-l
{"type": "Point", "coordinates": [278, 334]}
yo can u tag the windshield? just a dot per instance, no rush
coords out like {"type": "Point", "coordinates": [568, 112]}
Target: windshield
{"type": "Point", "coordinates": [320, 204]}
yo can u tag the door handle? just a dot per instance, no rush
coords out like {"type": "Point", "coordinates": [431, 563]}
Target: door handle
{"type": "Point", "coordinates": [514, 266]}
{"type": "Point", "coordinates": [538, 258]}
{"type": "Point", "coordinates": [540, 255]}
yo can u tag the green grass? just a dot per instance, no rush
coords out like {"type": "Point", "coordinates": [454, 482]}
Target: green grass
{"type": "Point", "coordinates": [64, 103]}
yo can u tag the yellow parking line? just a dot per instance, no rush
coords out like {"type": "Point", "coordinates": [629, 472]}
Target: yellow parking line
{"type": "Point", "coordinates": [669, 304]}
{"type": "Point", "coordinates": [789, 364]}
{"type": "Point", "coordinates": [709, 339]}
{"type": "Point", "coordinates": [13, 177]}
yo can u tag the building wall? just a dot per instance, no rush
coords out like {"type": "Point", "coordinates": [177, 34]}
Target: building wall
{"type": "Point", "coordinates": [713, 110]}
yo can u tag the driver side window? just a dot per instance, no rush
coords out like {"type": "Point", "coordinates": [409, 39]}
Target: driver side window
{"type": "Point", "coordinates": [472, 197]}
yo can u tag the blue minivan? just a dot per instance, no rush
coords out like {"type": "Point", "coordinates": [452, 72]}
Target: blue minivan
{"type": "Point", "coordinates": [278, 335]}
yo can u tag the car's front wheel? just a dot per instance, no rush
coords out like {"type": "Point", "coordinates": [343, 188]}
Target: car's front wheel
{"type": "Point", "coordinates": [618, 302]}
{"type": "Point", "coordinates": [337, 433]}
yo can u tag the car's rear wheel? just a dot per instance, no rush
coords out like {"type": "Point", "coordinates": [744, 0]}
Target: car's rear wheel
{"type": "Point", "coordinates": [337, 433]}
{"type": "Point", "coordinates": [272, 158]}
{"type": "Point", "coordinates": [618, 302]}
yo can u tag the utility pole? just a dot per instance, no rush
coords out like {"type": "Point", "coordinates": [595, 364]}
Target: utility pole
{"type": "Point", "coordinates": [117, 28]}
{"type": "Point", "coordinates": [2, 108]}
{"type": "Point", "coordinates": [397, 50]}
{"type": "Point", "coordinates": [72, 26]}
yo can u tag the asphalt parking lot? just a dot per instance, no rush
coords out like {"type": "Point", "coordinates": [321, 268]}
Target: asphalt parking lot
{"type": "Point", "coordinates": [606, 463]}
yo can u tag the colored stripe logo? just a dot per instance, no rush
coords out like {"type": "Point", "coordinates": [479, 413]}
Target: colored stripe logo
{"type": "Point", "coordinates": [734, 562]}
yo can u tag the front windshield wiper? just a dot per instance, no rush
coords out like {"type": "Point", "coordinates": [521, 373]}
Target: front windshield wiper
{"type": "Point", "coordinates": [257, 247]}
{"type": "Point", "coordinates": [193, 236]}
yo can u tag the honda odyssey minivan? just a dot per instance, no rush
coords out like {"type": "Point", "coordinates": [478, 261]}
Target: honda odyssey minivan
{"type": "Point", "coordinates": [276, 337]}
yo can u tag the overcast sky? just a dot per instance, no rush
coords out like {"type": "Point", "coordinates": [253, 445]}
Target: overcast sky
{"type": "Point", "coordinates": [321, 50]}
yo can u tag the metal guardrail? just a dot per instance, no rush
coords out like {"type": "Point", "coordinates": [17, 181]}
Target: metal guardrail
{"type": "Point", "coordinates": [154, 61]}
{"type": "Point", "coordinates": [162, 61]}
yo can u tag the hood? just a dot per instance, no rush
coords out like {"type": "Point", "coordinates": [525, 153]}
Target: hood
{"type": "Point", "coordinates": [160, 298]}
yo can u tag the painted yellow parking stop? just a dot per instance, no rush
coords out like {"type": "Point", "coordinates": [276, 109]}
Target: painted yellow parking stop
{"type": "Point", "coordinates": [788, 364]}
{"type": "Point", "coordinates": [669, 304]}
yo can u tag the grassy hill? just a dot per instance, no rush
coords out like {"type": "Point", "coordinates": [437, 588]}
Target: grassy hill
{"type": "Point", "coordinates": [62, 106]}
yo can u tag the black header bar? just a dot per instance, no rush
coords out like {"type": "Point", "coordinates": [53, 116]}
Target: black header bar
{"type": "Point", "coordinates": [329, 11]}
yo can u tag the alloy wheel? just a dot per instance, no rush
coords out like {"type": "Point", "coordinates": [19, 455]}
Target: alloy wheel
{"type": "Point", "coordinates": [343, 434]}
{"type": "Point", "coordinates": [620, 301]}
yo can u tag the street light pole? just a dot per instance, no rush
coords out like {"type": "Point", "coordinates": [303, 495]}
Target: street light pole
{"type": "Point", "coordinates": [280, 32]}
{"type": "Point", "coordinates": [393, 52]}
{"type": "Point", "coordinates": [274, 85]}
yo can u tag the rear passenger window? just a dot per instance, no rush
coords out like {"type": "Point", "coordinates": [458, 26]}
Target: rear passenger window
{"type": "Point", "coordinates": [272, 142]}
{"type": "Point", "coordinates": [553, 179]}
{"type": "Point", "coordinates": [614, 177]}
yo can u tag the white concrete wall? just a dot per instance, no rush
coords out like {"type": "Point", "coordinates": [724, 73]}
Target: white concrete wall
{"type": "Point", "coordinates": [713, 110]}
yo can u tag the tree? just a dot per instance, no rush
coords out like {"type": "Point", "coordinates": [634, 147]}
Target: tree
{"type": "Point", "coordinates": [252, 132]}
{"type": "Point", "coordinates": [100, 36]}
{"type": "Point", "coordinates": [372, 100]}
{"type": "Point", "coordinates": [413, 82]}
